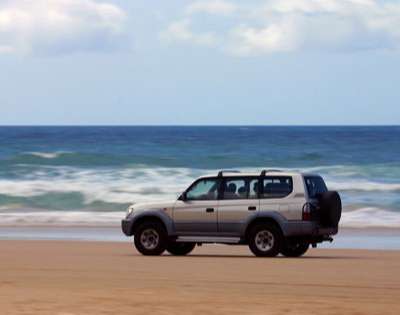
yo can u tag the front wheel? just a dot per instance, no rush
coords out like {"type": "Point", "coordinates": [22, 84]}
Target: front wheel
{"type": "Point", "coordinates": [294, 249]}
{"type": "Point", "coordinates": [151, 238]}
{"type": "Point", "coordinates": [265, 240]}
{"type": "Point", "coordinates": [180, 249]}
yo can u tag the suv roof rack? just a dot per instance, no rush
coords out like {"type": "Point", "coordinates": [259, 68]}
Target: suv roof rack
{"type": "Point", "coordinates": [263, 172]}
{"type": "Point", "coordinates": [221, 173]}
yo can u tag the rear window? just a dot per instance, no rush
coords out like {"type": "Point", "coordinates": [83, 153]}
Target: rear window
{"type": "Point", "coordinates": [315, 185]}
{"type": "Point", "coordinates": [276, 187]}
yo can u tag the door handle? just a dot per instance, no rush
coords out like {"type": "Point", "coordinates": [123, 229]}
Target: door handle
{"type": "Point", "coordinates": [252, 208]}
{"type": "Point", "coordinates": [210, 210]}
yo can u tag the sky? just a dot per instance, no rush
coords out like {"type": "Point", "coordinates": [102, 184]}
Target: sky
{"type": "Point", "coordinates": [199, 62]}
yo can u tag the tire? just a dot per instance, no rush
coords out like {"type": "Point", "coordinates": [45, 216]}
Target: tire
{"type": "Point", "coordinates": [331, 208]}
{"type": "Point", "coordinates": [180, 249]}
{"type": "Point", "coordinates": [265, 240]}
{"type": "Point", "coordinates": [294, 249]}
{"type": "Point", "coordinates": [151, 238]}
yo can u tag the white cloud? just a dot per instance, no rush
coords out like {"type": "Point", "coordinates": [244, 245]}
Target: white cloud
{"type": "Point", "coordinates": [316, 6]}
{"type": "Point", "coordinates": [211, 7]}
{"type": "Point", "coordinates": [181, 31]}
{"type": "Point", "coordinates": [294, 25]}
{"type": "Point", "coordinates": [273, 38]}
{"type": "Point", "coordinates": [62, 26]}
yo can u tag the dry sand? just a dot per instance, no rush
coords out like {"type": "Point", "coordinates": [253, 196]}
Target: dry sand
{"type": "Point", "coordinates": [65, 278]}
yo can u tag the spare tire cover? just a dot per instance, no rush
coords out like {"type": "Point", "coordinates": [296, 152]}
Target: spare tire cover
{"type": "Point", "coordinates": [331, 208]}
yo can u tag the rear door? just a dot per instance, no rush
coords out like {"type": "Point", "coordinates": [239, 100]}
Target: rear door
{"type": "Point", "coordinates": [238, 201]}
{"type": "Point", "coordinates": [274, 195]}
{"type": "Point", "coordinates": [197, 214]}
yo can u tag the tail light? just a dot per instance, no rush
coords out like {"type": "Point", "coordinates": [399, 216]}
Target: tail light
{"type": "Point", "coordinates": [306, 213]}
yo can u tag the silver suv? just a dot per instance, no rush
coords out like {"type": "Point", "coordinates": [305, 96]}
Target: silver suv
{"type": "Point", "coordinates": [272, 212]}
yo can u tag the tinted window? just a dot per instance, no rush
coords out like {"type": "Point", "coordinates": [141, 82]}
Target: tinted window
{"type": "Point", "coordinates": [253, 187]}
{"type": "Point", "coordinates": [277, 187]}
{"type": "Point", "coordinates": [204, 189]}
{"type": "Point", "coordinates": [234, 189]}
{"type": "Point", "coordinates": [315, 185]}
{"type": "Point", "coordinates": [240, 188]}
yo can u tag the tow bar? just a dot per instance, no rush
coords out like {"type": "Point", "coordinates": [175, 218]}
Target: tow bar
{"type": "Point", "coordinates": [324, 238]}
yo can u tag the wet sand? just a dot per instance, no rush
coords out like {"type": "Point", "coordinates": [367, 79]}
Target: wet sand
{"type": "Point", "coordinates": [68, 278]}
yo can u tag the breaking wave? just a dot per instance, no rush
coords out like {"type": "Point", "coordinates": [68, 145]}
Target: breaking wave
{"type": "Point", "coordinates": [130, 184]}
{"type": "Point", "coordinates": [61, 195]}
{"type": "Point", "coordinates": [48, 155]}
{"type": "Point", "coordinates": [361, 218]}
{"type": "Point", "coordinates": [370, 217]}
{"type": "Point", "coordinates": [67, 174]}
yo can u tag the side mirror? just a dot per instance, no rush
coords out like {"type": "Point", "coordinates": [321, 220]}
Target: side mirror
{"type": "Point", "coordinates": [182, 197]}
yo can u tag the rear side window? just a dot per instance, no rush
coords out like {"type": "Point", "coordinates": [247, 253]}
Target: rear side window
{"type": "Point", "coordinates": [235, 189]}
{"type": "Point", "coordinates": [276, 187]}
{"type": "Point", "coordinates": [315, 185]}
{"type": "Point", "coordinates": [240, 188]}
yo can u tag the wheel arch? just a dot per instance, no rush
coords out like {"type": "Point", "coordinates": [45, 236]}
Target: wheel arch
{"type": "Point", "coordinates": [271, 218]}
{"type": "Point", "coordinates": [153, 216]}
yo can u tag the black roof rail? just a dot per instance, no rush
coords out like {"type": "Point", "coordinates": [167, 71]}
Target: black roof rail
{"type": "Point", "coordinates": [221, 173]}
{"type": "Point", "coordinates": [263, 172]}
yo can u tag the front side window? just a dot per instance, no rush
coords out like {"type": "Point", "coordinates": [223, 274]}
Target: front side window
{"type": "Point", "coordinates": [277, 187]}
{"type": "Point", "coordinates": [204, 189]}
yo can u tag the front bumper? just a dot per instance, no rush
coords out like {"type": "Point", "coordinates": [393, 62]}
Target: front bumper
{"type": "Point", "coordinates": [126, 225]}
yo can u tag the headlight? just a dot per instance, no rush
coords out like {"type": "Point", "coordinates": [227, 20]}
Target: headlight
{"type": "Point", "coordinates": [129, 211]}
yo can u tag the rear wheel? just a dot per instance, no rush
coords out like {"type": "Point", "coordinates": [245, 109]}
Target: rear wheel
{"type": "Point", "coordinates": [294, 249]}
{"type": "Point", "coordinates": [265, 240]}
{"type": "Point", "coordinates": [180, 249]}
{"type": "Point", "coordinates": [150, 238]}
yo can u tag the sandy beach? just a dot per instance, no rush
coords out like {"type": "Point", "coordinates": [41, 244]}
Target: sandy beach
{"type": "Point", "coordinates": [68, 278]}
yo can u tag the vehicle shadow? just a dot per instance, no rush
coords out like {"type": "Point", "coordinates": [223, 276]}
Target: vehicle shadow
{"type": "Point", "coordinates": [254, 257]}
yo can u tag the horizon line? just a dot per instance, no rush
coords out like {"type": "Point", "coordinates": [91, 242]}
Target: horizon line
{"type": "Point", "coordinates": [199, 125]}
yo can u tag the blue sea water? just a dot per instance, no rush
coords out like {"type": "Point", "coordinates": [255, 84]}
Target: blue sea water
{"type": "Point", "coordinates": [64, 174]}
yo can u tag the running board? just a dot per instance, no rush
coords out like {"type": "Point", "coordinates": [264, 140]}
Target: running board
{"type": "Point", "coordinates": [208, 239]}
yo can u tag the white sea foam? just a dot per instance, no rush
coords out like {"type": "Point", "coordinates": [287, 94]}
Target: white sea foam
{"type": "Point", "coordinates": [48, 155]}
{"type": "Point", "coordinates": [361, 218]}
{"type": "Point", "coordinates": [142, 183]}
{"type": "Point", "coordinates": [370, 217]}
{"type": "Point", "coordinates": [63, 218]}
{"type": "Point", "coordinates": [135, 184]}
{"type": "Point", "coordinates": [108, 185]}
{"type": "Point", "coordinates": [361, 185]}
{"type": "Point", "coordinates": [344, 178]}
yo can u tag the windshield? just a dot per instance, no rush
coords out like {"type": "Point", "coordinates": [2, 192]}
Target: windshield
{"type": "Point", "coordinates": [315, 185]}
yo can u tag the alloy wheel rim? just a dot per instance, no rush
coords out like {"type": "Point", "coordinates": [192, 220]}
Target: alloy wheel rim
{"type": "Point", "coordinates": [264, 240]}
{"type": "Point", "coordinates": [149, 239]}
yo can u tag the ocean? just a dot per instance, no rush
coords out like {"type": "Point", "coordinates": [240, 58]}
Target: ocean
{"type": "Point", "coordinates": [89, 175]}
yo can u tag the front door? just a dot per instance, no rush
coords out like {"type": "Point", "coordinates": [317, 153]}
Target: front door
{"type": "Point", "coordinates": [197, 213]}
